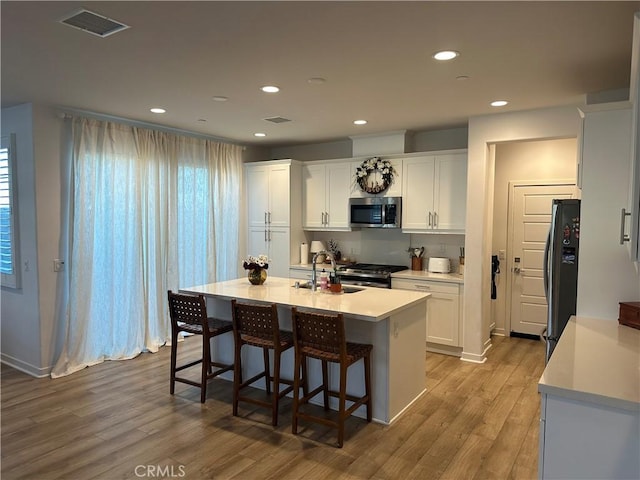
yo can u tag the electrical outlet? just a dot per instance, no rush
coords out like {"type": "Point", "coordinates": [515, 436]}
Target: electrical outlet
{"type": "Point", "coordinates": [58, 265]}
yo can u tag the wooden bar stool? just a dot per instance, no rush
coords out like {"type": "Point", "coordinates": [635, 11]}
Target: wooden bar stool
{"type": "Point", "coordinates": [323, 337]}
{"type": "Point", "coordinates": [189, 314]}
{"type": "Point", "coordinates": [258, 326]}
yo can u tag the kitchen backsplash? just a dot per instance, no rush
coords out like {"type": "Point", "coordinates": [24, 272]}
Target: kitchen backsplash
{"type": "Point", "coordinates": [372, 245]}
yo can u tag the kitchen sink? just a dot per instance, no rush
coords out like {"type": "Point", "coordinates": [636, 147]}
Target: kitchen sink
{"type": "Point", "coordinates": [345, 288]}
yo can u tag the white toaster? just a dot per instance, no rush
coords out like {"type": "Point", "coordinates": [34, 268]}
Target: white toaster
{"type": "Point", "coordinates": [439, 265]}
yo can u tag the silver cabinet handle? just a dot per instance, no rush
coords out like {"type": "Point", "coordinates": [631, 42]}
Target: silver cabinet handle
{"type": "Point", "coordinates": [326, 218]}
{"type": "Point", "coordinates": [623, 221]}
{"type": "Point", "coordinates": [435, 219]}
{"type": "Point", "coordinates": [430, 218]}
{"type": "Point", "coordinates": [265, 218]}
{"type": "Point", "coordinates": [269, 217]}
{"type": "Point", "coordinates": [422, 287]}
{"type": "Point", "coordinates": [322, 215]}
{"type": "Point", "coordinates": [269, 235]}
{"type": "Point", "coordinates": [265, 234]}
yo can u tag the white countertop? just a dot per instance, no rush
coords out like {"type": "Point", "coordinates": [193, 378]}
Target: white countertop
{"type": "Point", "coordinates": [424, 275]}
{"type": "Point", "coordinates": [596, 361]}
{"type": "Point", "coordinates": [407, 274]}
{"type": "Point", "coordinates": [372, 304]}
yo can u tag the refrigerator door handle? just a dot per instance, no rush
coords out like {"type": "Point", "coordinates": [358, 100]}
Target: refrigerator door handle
{"type": "Point", "coordinates": [545, 269]}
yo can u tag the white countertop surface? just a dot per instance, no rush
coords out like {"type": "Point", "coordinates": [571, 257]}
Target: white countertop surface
{"type": "Point", "coordinates": [596, 361]}
{"type": "Point", "coordinates": [372, 304]}
{"type": "Point", "coordinates": [424, 275]}
{"type": "Point", "coordinates": [406, 274]}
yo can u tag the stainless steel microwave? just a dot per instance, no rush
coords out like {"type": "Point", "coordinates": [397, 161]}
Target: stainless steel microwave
{"type": "Point", "coordinates": [375, 212]}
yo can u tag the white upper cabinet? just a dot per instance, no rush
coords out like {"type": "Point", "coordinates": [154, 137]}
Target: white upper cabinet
{"type": "Point", "coordinates": [268, 195]}
{"type": "Point", "coordinates": [325, 193]}
{"type": "Point", "coordinates": [435, 193]}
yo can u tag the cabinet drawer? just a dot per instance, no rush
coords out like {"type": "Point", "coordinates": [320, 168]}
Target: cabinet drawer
{"type": "Point", "coordinates": [424, 286]}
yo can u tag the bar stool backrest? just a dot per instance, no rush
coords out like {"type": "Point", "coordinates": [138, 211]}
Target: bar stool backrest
{"type": "Point", "coordinates": [320, 332]}
{"type": "Point", "coordinates": [187, 309]}
{"type": "Point", "coordinates": [256, 320]}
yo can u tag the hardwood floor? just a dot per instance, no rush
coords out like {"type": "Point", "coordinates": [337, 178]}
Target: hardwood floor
{"type": "Point", "coordinates": [118, 420]}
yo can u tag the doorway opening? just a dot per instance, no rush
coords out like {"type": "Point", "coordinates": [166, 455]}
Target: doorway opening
{"type": "Point", "coordinates": [527, 175]}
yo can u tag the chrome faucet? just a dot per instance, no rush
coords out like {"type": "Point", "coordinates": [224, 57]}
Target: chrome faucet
{"type": "Point", "coordinates": [314, 285]}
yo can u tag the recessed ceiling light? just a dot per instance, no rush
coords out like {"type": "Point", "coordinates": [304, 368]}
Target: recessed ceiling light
{"type": "Point", "coordinates": [499, 103]}
{"type": "Point", "coordinates": [446, 55]}
{"type": "Point", "coordinates": [259, 134]}
{"type": "Point", "coordinates": [158, 110]}
{"type": "Point", "coordinates": [220, 98]}
{"type": "Point", "coordinates": [270, 89]}
{"type": "Point", "coordinates": [360, 122]}
{"type": "Point", "coordinates": [316, 80]}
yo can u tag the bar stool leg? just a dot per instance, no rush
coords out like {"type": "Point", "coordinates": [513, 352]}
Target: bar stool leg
{"type": "Point", "coordinates": [342, 403]}
{"type": "Point", "coordinates": [299, 363]}
{"type": "Point", "coordinates": [206, 366]}
{"type": "Point", "coordinates": [276, 388]}
{"type": "Point", "coordinates": [267, 370]}
{"type": "Point", "coordinates": [174, 358]}
{"type": "Point", "coordinates": [237, 378]}
{"type": "Point", "coordinates": [325, 385]}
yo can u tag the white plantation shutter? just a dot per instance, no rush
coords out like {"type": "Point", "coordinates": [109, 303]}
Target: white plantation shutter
{"type": "Point", "coordinates": [8, 221]}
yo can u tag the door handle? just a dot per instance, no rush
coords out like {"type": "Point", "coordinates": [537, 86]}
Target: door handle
{"type": "Point", "coordinates": [326, 218]}
{"type": "Point", "coordinates": [623, 221]}
{"type": "Point", "coordinates": [269, 216]}
{"type": "Point", "coordinates": [265, 218]}
{"type": "Point", "coordinates": [430, 222]}
{"type": "Point", "coordinates": [435, 219]}
{"type": "Point", "coordinates": [516, 270]}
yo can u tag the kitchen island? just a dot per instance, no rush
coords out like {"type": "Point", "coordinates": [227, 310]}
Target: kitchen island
{"type": "Point", "coordinates": [590, 412]}
{"type": "Point", "coordinates": [391, 320]}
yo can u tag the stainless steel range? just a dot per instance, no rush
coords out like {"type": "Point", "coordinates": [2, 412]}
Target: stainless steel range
{"type": "Point", "coordinates": [368, 274]}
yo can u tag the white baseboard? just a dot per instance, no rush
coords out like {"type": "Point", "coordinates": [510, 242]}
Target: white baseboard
{"type": "Point", "coordinates": [474, 357]}
{"type": "Point", "coordinates": [25, 367]}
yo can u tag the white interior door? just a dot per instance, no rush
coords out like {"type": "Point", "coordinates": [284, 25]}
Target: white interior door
{"type": "Point", "coordinates": [530, 214]}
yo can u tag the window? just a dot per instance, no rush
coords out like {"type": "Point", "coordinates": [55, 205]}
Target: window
{"type": "Point", "coordinates": [8, 215]}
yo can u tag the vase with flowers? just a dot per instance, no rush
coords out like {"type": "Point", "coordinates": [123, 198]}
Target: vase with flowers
{"type": "Point", "coordinates": [256, 268]}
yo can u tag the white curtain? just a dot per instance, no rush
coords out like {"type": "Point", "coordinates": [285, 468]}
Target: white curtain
{"type": "Point", "coordinates": [146, 211]}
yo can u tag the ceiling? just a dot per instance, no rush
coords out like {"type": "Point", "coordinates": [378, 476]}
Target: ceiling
{"type": "Point", "coordinates": [376, 58]}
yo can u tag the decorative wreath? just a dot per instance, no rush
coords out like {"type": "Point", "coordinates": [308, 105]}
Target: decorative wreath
{"type": "Point", "coordinates": [370, 167]}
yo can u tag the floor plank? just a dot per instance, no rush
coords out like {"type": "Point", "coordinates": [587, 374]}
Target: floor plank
{"type": "Point", "coordinates": [117, 419]}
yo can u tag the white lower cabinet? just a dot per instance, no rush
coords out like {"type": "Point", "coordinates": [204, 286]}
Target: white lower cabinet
{"type": "Point", "coordinates": [579, 439]}
{"type": "Point", "coordinates": [443, 313]}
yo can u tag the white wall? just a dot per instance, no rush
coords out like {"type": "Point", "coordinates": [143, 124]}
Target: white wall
{"type": "Point", "coordinates": [543, 160]}
{"type": "Point", "coordinates": [21, 335]}
{"type": "Point", "coordinates": [484, 131]}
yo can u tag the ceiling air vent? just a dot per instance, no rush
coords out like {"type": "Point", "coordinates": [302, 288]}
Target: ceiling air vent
{"type": "Point", "coordinates": [93, 23]}
{"type": "Point", "coordinates": [277, 120]}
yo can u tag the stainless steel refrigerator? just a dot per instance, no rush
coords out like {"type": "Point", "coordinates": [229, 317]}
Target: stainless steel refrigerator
{"type": "Point", "coordinates": [561, 268]}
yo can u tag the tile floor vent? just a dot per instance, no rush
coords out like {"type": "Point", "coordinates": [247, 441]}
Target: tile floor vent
{"type": "Point", "coordinates": [93, 23]}
{"type": "Point", "coordinates": [277, 120]}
